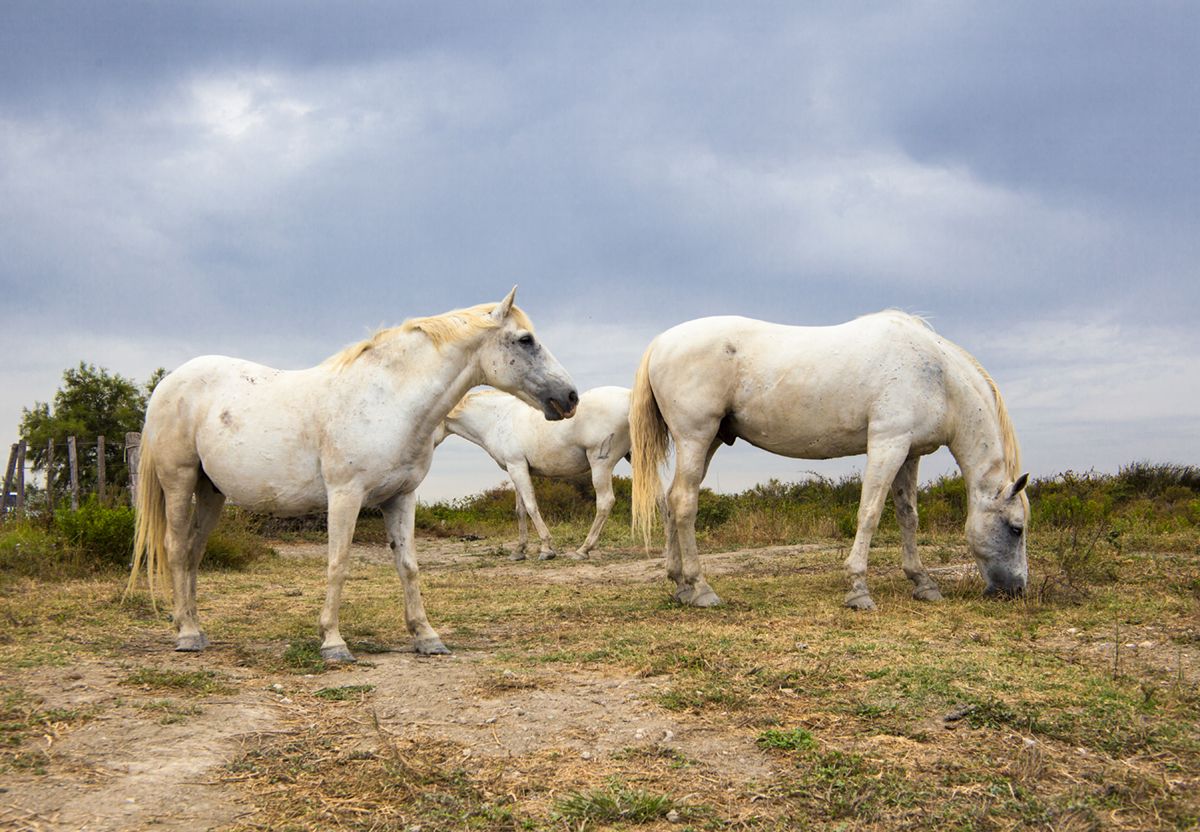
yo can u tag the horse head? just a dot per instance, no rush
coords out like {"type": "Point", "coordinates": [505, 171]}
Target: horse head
{"type": "Point", "coordinates": [515, 361]}
{"type": "Point", "coordinates": [996, 534]}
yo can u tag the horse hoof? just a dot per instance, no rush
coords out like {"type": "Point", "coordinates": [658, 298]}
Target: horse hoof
{"type": "Point", "coordinates": [549, 555]}
{"type": "Point", "coordinates": [860, 600]}
{"type": "Point", "coordinates": [694, 597]}
{"type": "Point", "coordinates": [191, 644]}
{"type": "Point", "coordinates": [338, 654]}
{"type": "Point", "coordinates": [430, 647]}
{"type": "Point", "coordinates": [928, 593]}
{"type": "Point", "coordinates": [517, 556]}
{"type": "Point", "coordinates": [578, 556]}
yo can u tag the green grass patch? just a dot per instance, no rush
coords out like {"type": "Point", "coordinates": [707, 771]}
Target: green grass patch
{"type": "Point", "coordinates": [615, 804]}
{"type": "Point", "coordinates": [344, 693]}
{"type": "Point", "coordinates": [796, 739]}
{"type": "Point", "coordinates": [192, 682]}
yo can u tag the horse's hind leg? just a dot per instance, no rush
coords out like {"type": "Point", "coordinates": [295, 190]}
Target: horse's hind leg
{"type": "Point", "coordinates": [519, 473]}
{"type": "Point", "coordinates": [904, 497]}
{"type": "Point", "coordinates": [691, 464]}
{"type": "Point", "coordinates": [884, 459]}
{"type": "Point", "coordinates": [602, 482]}
{"type": "Point", "coordinates": [522, 528]}
{"type": "Point", "coordinates": [204, 519]}
{"type": "Point", "coordinates": [398, 514]}
{"type": "Point", "coordinates": [178, 485]}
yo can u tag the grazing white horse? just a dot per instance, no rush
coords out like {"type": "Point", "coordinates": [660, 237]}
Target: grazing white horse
{"type": "Point", "coordinates": [885, 384]}
{"type": "Point", "coordinates": [354, 431]}
{"type": "Point", "coordinates": [523, 443]}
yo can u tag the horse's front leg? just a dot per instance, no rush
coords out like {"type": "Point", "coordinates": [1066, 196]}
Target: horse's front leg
{"type": "Point", "coordinates": [884, 459]}
{"type": "Point", "coordinates": [904, 497]}
{"type": "Point", "coordinates": [399, 513]}
{"type": "Point", "coordinates": [343, 515]}
{"type": "Point", "coordinates": [519, 473]}
{"type": "Point", "coordinates": [605, 500]}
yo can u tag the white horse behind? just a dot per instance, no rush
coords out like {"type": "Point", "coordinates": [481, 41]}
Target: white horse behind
{"type": "Point", "coordinates": [354, 431]}
{"type": "Point", "coordinates": [883, 384]}
{"type": "Point", "coordinates": [524, 444]}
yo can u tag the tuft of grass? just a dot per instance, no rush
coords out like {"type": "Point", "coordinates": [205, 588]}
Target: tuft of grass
{"type": "Point", "coordinates": [344, 693]}
{"type": "Point", "coordinates": [304, 656]}
{"type": "Point", "coordinates": [615, 804]}
{"type": "Point", "coordinates": [193, 682]}
{"type": "Point", "coordinates": [797, 739]}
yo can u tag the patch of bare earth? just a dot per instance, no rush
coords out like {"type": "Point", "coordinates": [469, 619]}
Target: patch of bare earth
{"type": "Point", "coordinates": [122, 767]}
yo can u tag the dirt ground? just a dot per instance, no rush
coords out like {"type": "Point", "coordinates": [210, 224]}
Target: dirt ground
{"type": "Point", "coordinates": [131, 767]}
{"type": "Point", "coordinates": [126, 770]}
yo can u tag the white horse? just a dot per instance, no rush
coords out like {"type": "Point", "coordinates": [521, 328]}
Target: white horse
{"type": "Point", "coordinates": [883, 384]}
{"type": "Point", "coordinates": [522, 444]}
{"type": "Point", "coordinates": [354, 431]}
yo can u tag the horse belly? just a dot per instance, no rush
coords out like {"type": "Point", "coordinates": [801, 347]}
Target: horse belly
{"type": "Point", "coordinates": [268, 474]}
{"type": "Point", "coordinates": [800, 442]}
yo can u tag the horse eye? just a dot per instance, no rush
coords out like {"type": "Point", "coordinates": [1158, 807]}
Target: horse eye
{"type": "Point", "coordinates": [1015, 531]}
{"type": "Point", "coordinates": [525, 340]}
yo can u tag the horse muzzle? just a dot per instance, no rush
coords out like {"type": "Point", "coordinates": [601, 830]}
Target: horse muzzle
{"type": "Point", "coordinates": [556, 408]}
{"type": "Point", "coordinates": [1007, 586]}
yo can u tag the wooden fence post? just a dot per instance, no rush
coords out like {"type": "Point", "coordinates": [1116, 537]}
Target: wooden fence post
{"type": "Point", "coordinates": [100, 479]}
{"type": "Point", "coordinates": [73, 461]}
{"type": "Point", "coordinates": [133, 452]}
{"type": "Point", "coordinates": [21, 477]}
{"type": "Point", "coordinates": [8, 479]}
{"type": "Point", "coordinates": [50, 475]}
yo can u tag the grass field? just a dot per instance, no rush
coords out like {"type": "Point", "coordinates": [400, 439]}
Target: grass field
{"type": "Point", "coordinates": [581, 697]}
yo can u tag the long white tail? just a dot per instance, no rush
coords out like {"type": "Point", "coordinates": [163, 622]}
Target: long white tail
{"type": "Point", "coordinates": [651, 440]}
{"type": "Point", "coordinates": [149, 543]}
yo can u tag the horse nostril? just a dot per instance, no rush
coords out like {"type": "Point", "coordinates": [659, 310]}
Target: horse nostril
{"type": "Point", "coordinates": [573, 397]}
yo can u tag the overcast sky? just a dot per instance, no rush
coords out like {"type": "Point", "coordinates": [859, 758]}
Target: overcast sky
{"type": "Point", "coordinates": [274, 180]}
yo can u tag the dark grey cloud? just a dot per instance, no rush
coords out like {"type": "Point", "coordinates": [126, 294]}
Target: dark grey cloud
{"type": "Point", "coordinates": [276, 178]}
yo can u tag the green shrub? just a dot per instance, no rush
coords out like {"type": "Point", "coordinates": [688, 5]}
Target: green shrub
{"type": "Point", "coordinates": [235, 543]}
{"type": "Point", "coordinates": [102, 534]}
{"type": "Point", "coordinates": [28, 549]}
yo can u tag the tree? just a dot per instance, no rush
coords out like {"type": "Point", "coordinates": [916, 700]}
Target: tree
{"type": "Point", "coordinates": [91, 402]}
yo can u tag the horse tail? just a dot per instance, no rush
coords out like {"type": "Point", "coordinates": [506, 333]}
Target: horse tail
{"type": "Point", "coordinates": [149, 543]}
{"type": "Point", "coordinates": [650, 441]}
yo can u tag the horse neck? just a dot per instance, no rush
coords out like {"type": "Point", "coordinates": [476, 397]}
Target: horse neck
{"type": "Point", "coordinates": [978, 443]}
{"type": "Point", "coordinates": [437, 378]}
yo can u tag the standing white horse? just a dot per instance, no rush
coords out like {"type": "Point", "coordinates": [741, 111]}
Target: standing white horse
{"type": "Point", "coordinates": [522, 443]}
{"type": "Point", "coordinates": [883, 384]}
{"type": "Point", "coordinates": [354, 431]}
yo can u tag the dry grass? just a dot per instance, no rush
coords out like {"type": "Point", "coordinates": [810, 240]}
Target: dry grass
{"type": "Point", "coordinates": [971, 714]}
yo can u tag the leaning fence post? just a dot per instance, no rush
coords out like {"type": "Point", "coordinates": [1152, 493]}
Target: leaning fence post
{"type": "Point", "coordinates": [8, 479]}
{"type": "Point", "coordinates": [21, 477]}
{"type": "Point", "coordinates": [133, 452]}
{"type": "Point", "coordinates": [100, 479]}
{"type": "Point", "coordinates": [73, 461]}
{"type": "Point", "coordinates": [50, 475]}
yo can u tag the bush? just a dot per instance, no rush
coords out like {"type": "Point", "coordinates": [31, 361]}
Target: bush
{"type": "Point", "coordinates": [102, 534]}
{"type": "Point", "coordinates": [235, 543]}
{"type": "Point", "coordinates": [29, 550]}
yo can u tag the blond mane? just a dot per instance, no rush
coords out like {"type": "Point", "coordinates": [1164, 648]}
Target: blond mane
{"type": "Point", "coordinates": [447, 328]}
{"type": "Point", "coordinates": [1008, 435]}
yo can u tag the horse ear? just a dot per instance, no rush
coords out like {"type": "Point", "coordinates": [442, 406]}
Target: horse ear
{"type": "Point", "coordinates": [502, 308]}
{"type": "Point", "coordinates": [1018, 486]}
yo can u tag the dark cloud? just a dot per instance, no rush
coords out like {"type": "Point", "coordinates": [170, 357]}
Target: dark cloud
{"type": "Point", "coordinates": [224, 176]}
